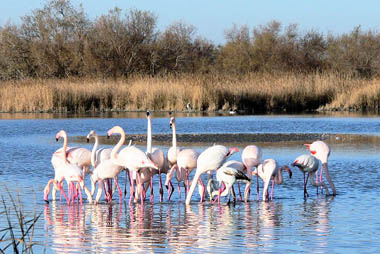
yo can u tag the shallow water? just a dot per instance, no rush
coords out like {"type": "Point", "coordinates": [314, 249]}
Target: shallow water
{"type": "Point", "coordinates": [348, 222]}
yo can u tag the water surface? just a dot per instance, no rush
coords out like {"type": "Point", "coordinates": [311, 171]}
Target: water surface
{"type": "Point", "coordinates": [348, 222]}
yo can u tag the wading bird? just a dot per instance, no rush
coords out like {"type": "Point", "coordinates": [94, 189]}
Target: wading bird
{"type": "Point", "coordinates": [251, 157]}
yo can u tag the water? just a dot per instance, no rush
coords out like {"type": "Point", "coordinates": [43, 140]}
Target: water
{"type": "Point", "coordinates": [348, 222]}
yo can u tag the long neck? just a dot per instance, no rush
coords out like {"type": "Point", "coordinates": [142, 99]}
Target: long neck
{"type": "Point", "coordinates": [278, 179]}
{"type": "Point", "coordinates": [64, 147]}
{"type": "Point", "coordinates": [174, 141]}
{"type": "Point", "coordinates": [327, 175]}
{"type": "Point", "coordinates": [149, 137]}
{"type": "Point", "coordinates": [116, 148]}
{"type": "Point", "coordinates": [93, 152]}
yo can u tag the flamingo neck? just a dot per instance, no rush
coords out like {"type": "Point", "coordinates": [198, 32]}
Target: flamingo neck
{"type": "Point", "coordinates": [174, 140]}
{"type": "Point", "coordinates": [328, 177]}
{"type": "Point", "coordinates": [278, 179]}
{"type": "Point", "coordinates": [64, 147]}
{"type": "Point", "coordinates": [93, 152]}
{"type": "Point", "coordinates": [192, 187]}
{"type": "Point", "coordinates": [114, 156]}
{"type": "Point", "coordinates": [149, 137]}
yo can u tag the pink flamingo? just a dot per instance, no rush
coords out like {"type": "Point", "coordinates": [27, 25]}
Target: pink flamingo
{"type": "Point", "coordinates": [251, 157]}
{"type": "Point", "coordinates": [308, 164]}
{"type": "Point", "coordinates": [157, 156]}
{"type": "Point", "coordinates": [210, 159]}
{"type": "Point", "coordinates": [64, 170]}
{"type": "Point", "coordinates": [131, 158]}
{"type": "Point", "coordinates": [269, 170]}
{"type": "Point", "coordinates": [173, 150]}
{"type": "Point", "coordinates": [227, 176]}
{"type": "Point", "coordinates": [97, 156]}
{"type": "Point", "coordinates": [75, 155]}
{"type": "Point", "coordinates": [321, 151]}
{"type": "Point", "coordinates": [186, 162]}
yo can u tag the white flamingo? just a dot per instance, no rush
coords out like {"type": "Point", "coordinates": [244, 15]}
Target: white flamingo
{"type": "Point", "coordinates": [251, 157]}
{"type": "Point", "coordinates": [131, 158]}
{"type": "Point", "coordinates": [321, 151]}
{"type": "Point", "coordinates": [308, 164]}
{"type": "Point", "coordinates": [210, 159]}
{"type": "Point", "coordinates": [269, 170]}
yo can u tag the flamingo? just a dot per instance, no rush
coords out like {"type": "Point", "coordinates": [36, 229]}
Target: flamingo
{"type": "Point", "coordinates": [97, 156]}
{"type": "Point", "coordinates": [131, 158]}
{"type": "Point", "coordinates": [75, 155]}
{"type": "Point", "coordinates": [186, 162]}
{"type": "Point", "coordinates": [308, 164]}
{"type": "Point", "coordinates": [211, 185]}
{"type": "Point", "coordinates": [321, 151]}
{"type": "Point", "coordinates": [210, 159]}
{"type": "Point", "coordinates": [105, 170]}
{"type": "Point", "coordinates": [64, 170]}
{"type": "Point", "coordinates": [227, 176]}
{"type": "Point", "coordinates": [157, 156]}
{"type": "Point", "coordinates": [251, 157]}
{"type": "Point", "coordinates": [269, 170]}
{"type": "Point", "coordinates": [173, 150]}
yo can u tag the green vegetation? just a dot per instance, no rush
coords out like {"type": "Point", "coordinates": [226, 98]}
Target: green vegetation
{"type": "Point", "coordinates": [57, 59]}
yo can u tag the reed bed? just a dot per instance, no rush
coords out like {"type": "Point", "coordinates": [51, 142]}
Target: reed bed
{"type": "Point", "coordinates": [253, 93]}
{"type": "Point", "coordinates": [17, 236]}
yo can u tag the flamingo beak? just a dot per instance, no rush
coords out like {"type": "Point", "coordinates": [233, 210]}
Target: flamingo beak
{"type": "Point", "coordinates": [56, 139]}
{"type": "Point", "coordinates": [307, 146]}
{"type": "Point", "coordinates": [88, 140]}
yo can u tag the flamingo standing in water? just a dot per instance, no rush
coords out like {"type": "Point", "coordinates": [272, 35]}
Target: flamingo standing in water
{"type": "Point", "coordinates": [308, 164]}
{"type": "Point", "coordinates": [173, 150]}
{"type": "Point", "coordinates": [212, 186]}
{"type": "Point", "coordinates": [131, 158]}
{"type": "Point", "coordinates": [269, 170]}
{"type": "Point", "coordinates": [75, 155]}
{"type": "Point", "coordinates": [157, 156]}
{"type": "Point", "coordinates": [321, 151]}
{"type": "Point", "coordinates": [210, 159]}
{"type": "Point", "coordinates": [186, 162]}
{"type": "Point", "coordinates": [251, 157]}
{"type": "Point", "coordinates": [227, 176]}
{"type": "Point", "coordinates": [64, 170]}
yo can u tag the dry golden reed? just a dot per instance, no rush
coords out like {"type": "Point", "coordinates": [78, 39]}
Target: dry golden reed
{"type": "Point", "coordinates": [251, 93]}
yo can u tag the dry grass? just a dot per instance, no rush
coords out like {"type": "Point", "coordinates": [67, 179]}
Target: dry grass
{"type": "Point", "coordinates": [251, 93]}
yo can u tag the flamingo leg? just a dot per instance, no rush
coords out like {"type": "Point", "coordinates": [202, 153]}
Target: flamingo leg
{"type": "Point", "coordinates": [170, 190]}
{"type": "Point", "coordinates": [316, 180]}
{"type": "Point", "coordinates": [202, 190]}
{"type": "Point", "coordinates": [118, 188]}
{"type": "Point", "coordinates": [305, 189]}
{"type": "Point", "coordinates": [272, 189]}
{"type": "Point", "coordinates": [320, 179]}
{"type": "Point", "coordinates": [258, 187]}
{"type": "Point", "coordinates": [223, 187]}
{"type": "Point", "coordinates": [125, 186]}
{"type": "Point", "coordinates": [80, 196]}
{"type": "Point", "coordinates": [132, 190]}
{"type": "Point", "coordinates": [179, 190]}
{"type": "Point", "coordinates": [160, 183]}
{"type": "Point", "coordinates": [241, 198]}
{"type": "Point", "coordinates": [63, 192]}
{"type": "Point", "coordinates": [151, 189]}
{"type": "Point", "coordinates": [140, 187]}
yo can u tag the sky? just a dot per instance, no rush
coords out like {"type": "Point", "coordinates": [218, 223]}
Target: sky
{"type": "Point", "coordinates": [212, 17]}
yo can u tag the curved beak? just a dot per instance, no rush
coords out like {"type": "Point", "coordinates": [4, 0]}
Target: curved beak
{"type": "Point", "coordinates": [56, 139]}
{"type": "Point", "coordinates": [88, 140]}
{"type": "Point", "coordinates": [307, 146]}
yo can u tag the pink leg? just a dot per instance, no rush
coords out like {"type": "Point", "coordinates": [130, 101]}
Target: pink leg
{"type": "Point", "coordinates": [271, 193]}
{"type": "Point", "coordinates": [220, 191]}
{"type": "Point", "coordinates": [141, 188]}
{"type": "Point", "coordinates": [258, 187]}
{"type": "Point", "coordinates": [239, 192]}
{"type": "Point", "coordinates": [63, 192]}
{"type": "Point", "coordinates": [118, 188]}
{"type": "Point", "coordinates": [179, 190]}
{"type": "Point", "coordinates": [203, 190]}
{"type": "Point", "coordinates": [161, 190]}
{"type": "Point", "coordinates": [151, 190]}
{"type": "Point", "coordinates": [316, 180]}
{"type": "Point", "coordinates": [132, 191]}
{"type": "Point", "coordinates": [80, 196]}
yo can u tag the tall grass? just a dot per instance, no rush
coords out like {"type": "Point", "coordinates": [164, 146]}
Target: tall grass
{"type": "Point", "coordinates": [252, 93]}
{"type": "Point", "coordinates": [17, 236]}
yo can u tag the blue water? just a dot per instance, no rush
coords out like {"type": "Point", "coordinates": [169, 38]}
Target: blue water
{"type": "Point", "coordinates": [348, 222]}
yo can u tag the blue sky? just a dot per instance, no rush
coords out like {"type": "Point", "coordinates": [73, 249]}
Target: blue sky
{"type": "Point", "coordinates": [212, 17]}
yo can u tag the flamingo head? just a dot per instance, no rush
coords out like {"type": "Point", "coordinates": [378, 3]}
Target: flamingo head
{"type": "Point", "coordinates": [287, 169]}
{"type": "Point", "coordinates": [90, 135]}
{"type": "Point", "coordinates": [319, 150]}
{"type": "Point", "coordinates": [149, 164]}
{"type": "Point", "coordinates": [46, 194]}
{"type": "Point", "coordinates": [232, 150]}
{"type": "Point", "coordinates": [60, 134]}
{"type": "Point", "coordinates": [147, 113]}
{"type": "Point", "coordinates": [115, 129]}
{"type": "Point", "coordinates": [172, 122]}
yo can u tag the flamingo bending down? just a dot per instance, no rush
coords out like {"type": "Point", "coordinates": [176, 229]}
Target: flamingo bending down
{"type": "Point", "coordinates": [211, 185]}
{"type": "Point", "coordinates": [227, 176]}
{"type": "Point", "coordinates": [321, 151]}
{"type": "Point", "coordinates": [308, 164]}
{"type": "Point", "coordinates": [251, 157]}
{"type": "Point", "coordinates": [269, 170]}
{"type": "Point", "coordinates": [75, 155]}
{"type": "Point", "coordinates": [210, 159]}
{"type": "Point", "coordinates": [186, 162]}
{"type": "Point", "coordinates": [131, 158]}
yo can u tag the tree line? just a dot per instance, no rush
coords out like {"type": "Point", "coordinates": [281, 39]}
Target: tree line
{"type": "Point", "coordinates": [59, 41]}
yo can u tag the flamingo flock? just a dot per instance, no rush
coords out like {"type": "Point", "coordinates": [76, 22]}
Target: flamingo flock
{"type": "Point", "coordinates": [103, 166]}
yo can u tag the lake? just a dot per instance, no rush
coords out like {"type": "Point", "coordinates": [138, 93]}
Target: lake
{"type": "Point", "coordinates": [348, 222]}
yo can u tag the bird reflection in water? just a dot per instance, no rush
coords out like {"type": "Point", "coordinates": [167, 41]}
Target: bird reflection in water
{"type": "Point", "coordinates": [174, 227]}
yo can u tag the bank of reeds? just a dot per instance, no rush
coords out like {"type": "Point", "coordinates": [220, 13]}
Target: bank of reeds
{"type": "Point", "coordinates": [254, 93]}
{"type": "Point", "coordinates": [17, 235]}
